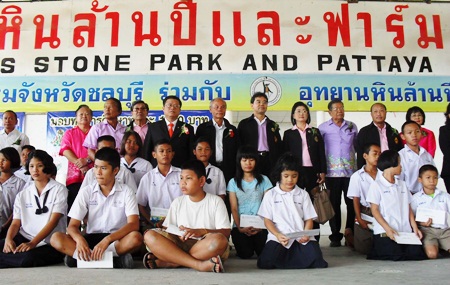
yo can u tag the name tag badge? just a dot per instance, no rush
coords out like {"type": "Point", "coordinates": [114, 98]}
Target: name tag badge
{"type": "Point", "coordinates": [93, 203]}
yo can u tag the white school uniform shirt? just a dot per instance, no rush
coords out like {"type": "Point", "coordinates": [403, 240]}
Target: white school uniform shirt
{"type": "Point", "coordinates": [140, 166]}
{"type": "Point", "coordinates": [14, 139]}
{"type": "Point", "coordinates": [8, 192]}
{"type": "Point", "coordinates": [157, 190]}
{"type": "Point", "coordinates": [209, 213]}
{"type": "Point", "coordinates": [21, 174]}
{"type": "Point", "coordinates": [104, 214]}
{"type": "Point", "coordinates": [217, 185]}
{"type": "Point", "coordinates": [123, 176]}
{"type": "Point", "coordinates": [393, 200]}
{"type": "Point", "coordinates": [411, 162]}
{"type": "Point", "coordinates": [25, 209]}
{"type": "Point", "coordinates": [440, 201]}
{"type": "Point", "coordinates": [287, 210]}
{"type": "Point", "coordinates": [359, 185]}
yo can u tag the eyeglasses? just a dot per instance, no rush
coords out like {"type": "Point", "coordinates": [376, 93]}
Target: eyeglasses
{"type": "Point", "coordinates": [139, 109]}
{"type": "Point", "coordinates": [175, 106]}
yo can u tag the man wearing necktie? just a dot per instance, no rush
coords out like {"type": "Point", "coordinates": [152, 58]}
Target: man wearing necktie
{"type": "Point", "coordinates": [180, 134]}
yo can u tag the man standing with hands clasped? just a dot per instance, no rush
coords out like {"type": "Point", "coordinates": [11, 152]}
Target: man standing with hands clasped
{"type": "Point", "coordinates": [339, 136]}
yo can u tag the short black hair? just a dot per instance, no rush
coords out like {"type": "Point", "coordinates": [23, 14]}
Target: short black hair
{"type": "Point", "coordinates": [107, 138]}
{"type": "Point", "coordinates": [43, 157]}
{"type": "Point", "coordinates": [11, 111]}
{"type": "Point", "coordinates": [138, 102]}
{"type": "Point", "coordinates": [388, 158]}
{"type": "Point", "coordinates": [409, 122]}
{"type": "Point", "coordinates": [334, 101]}
{"type": "Point", "coordinates": [201, 140]}
{"type": "Point", "coordinates": [29, 147]}
{"type": "Point", "coordinates": [126, 135]}
{"type": "Point", "coordinates": [413, 110]}
{"type": "Point", "coordinates": [287, 161]}
{"type": "Point", "coordinates": [257, 95]}
{"type": "Point", "coordinates": [83, 106]}
{"type": "Point", "coordinates": [117, 102]}
{"type": "Point", "coordinates": [161, 142]}
{"type": "Point", "coordinates": [295, 106]}
{"type": "Point", "coordinates": [172, 97]}
{"type": "Point", "coordinates": [109, 155]}
{"type": "Point", "coordinates": [12, 155]}
{"type": "Point", "coordinates": [195, 165]}
{"type": "Point", "coordinates": [367, 147]}
{"type": "Point", "coordinates": [427, 167]}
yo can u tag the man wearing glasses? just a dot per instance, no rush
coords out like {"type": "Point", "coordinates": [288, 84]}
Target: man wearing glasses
{"type": "Point", "coordinates": [180, 134]}
{"type": "Point", "coordinates": [339, 136]}
{"type": "Point", "coordinates": [139, 124]}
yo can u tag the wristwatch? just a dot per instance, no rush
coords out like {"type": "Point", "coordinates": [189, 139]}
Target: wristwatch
{"type": "Point", "coordinates": [88, 160]}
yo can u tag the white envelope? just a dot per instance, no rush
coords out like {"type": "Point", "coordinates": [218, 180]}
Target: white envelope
{"type": "Point", "coordinates": [309, 233]}
{"type": "Point", "coordinates": [106, 262]}
{"type": "Point", "coordinates": [252, 221]}
{"type": "Point", "coordinates": [407, 238]}
{"type": "Point", "coordinates": [367, 218]}
{"type": "Point", "coordinates": [437, 216]}
{"type": "Point", "coordinates": [171, 229]}
{"type": "Point", "coordinates": [159, 212]}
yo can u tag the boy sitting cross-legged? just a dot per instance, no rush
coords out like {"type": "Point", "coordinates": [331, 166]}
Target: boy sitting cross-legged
{"type": "Point", "coordinates": [203, 220]}
{"type": "Point", "coordinates": [112, 217]}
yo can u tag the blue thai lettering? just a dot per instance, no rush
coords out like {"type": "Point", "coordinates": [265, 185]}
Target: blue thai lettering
{"type": "Point", "coordinates": [7, 97]}
{"type": "Point", "coordinates": [164, 91]}
{"type": "Point", "coordinates": [305, 93]}
{"type": "Point", "coordinates": [227, 92]}
{"type": "Point", "coordinates": [395, 96]}
{"type": "Point", "coordinates": [362, 95]}
{"type": "Point", "coordinates": [435, 96]}
{"type": "Point", "coordinates": [37, 95]}
{"type": "Point", "coordinates": [51, 95]}
{"type": "Point", "coordinates": [94, 94]}
{"type": "Point", "coordinates": [23, 94]}
{"type": "Point", "coordinates": [78, 93]}
{"type": "Point", "coordinates": [188, 96]}
{"type": "Point", "coordinates": [319, 91]}
{"type": "Point", "coordinates": [378, 92]}
{"type": "Point", "coordinates": [107, 93]}
{"type": "Point", "coordinates": [410, 94]}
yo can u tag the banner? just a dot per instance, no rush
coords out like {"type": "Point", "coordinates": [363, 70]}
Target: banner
{"type": "Point", "coordinates": [20, 121]}
{"type": "Point", "coordinates": [56, 55]}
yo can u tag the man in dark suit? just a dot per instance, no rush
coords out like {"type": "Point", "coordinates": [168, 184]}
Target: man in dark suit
{"type": "Point", "coordinates": [261, 133]}
{"type": "Point", "coordinates": [180, 134]}
{"type": "Point", "coordinates": [378, 132]}
{"type": "Point", "coordinates": [223, 138]}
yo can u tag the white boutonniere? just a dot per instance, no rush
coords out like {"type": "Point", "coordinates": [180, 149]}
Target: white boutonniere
{"type": "Point", "coordinates": [184, 130]}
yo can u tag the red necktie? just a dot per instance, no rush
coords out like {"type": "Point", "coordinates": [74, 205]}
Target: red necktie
{"type": "Point", "coordinates": [170, 129]}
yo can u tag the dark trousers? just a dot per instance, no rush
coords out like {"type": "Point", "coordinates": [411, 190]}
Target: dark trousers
{"type": "Point", "coordinates": [308, 180]}
{"type": "Point", "coordinates": [386, 249]}
{"type": "Point", "coordinates": [246, 246]}
{"type": "Point", "coordinates": [265, 165]}
{"type": "Point", "coordinates": [38, 256]}
{"type": "Point", "coordinates": [337, 186]}
{"type": "Point", "coordinates": [73, 192]}
{"type": "Point", "coordinates": [298, 256]}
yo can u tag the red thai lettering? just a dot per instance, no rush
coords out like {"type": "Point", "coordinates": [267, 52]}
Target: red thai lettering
{"type": "Point", "coordinates": [53, 39]}
{"type": "Point", "coordinates": [338, 25]}
{"type": "Point", "coordinates": [13, 28]}
{"type": "Point", "coordinates": [367, 20]}
{"type": "Point", "coordinates": [274, 25]}
{"type": "Point", "coordinates": [425, 40]}
{"type": "Point", "coordinates": [152, 36]}
{"type": "Point", "coordinates": [177, 18]}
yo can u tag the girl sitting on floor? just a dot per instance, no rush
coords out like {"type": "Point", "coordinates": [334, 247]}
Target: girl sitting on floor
{"type": "Point", "coordinates": [286, 208]}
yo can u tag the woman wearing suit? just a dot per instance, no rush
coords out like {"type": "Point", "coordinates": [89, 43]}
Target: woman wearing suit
{"type": "Point", "coordinates": [444, 144]}
{"type": "Point", "coordinates": [306, 142]}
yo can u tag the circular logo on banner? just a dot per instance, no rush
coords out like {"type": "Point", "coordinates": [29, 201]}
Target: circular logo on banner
{"type": "Point", "coordinates": [268, 86]}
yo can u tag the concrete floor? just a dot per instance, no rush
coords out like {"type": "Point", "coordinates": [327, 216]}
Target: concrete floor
{"type": "Point", "coordinates": [345, 267]}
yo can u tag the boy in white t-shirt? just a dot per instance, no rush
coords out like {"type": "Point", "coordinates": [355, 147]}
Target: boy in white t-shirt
{"type": "Point", "coordinates": [112, 218]}
{"type": "Point", "coordinates": [203, 224]}
{"type": "Point", "coordinates": [412, 156]}
{"type": "Point", "coordinates": [435, 236]}
{"type": "Point", "coordinates": [215, 180]}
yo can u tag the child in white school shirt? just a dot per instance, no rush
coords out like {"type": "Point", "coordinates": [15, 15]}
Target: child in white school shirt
{"type": "Point", "coordinates": [10, 186]}
{"type": "Point", "coordinates": [358, 189]}
{"type": "Point", "coordinates": [286, 208]}
{"type": "Point", "coordinates": [390, 201]}
{"type": "Point", "coordinates": [131, 151]}
{"type": "Point", "coordinates": [412, 156]}
{"type": "Point", "coordinates": [436, 236]}
{"type": "Point", "coordinates": [112, 218]}
{"type": "Point", "coordinates": [215, 180]}
{"type": "Point", "coordinates": [123, 176]}
{"type": "Point", "coordinates": [159, 187]}
{"type": "Point", "coordinates": [39, 211]}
